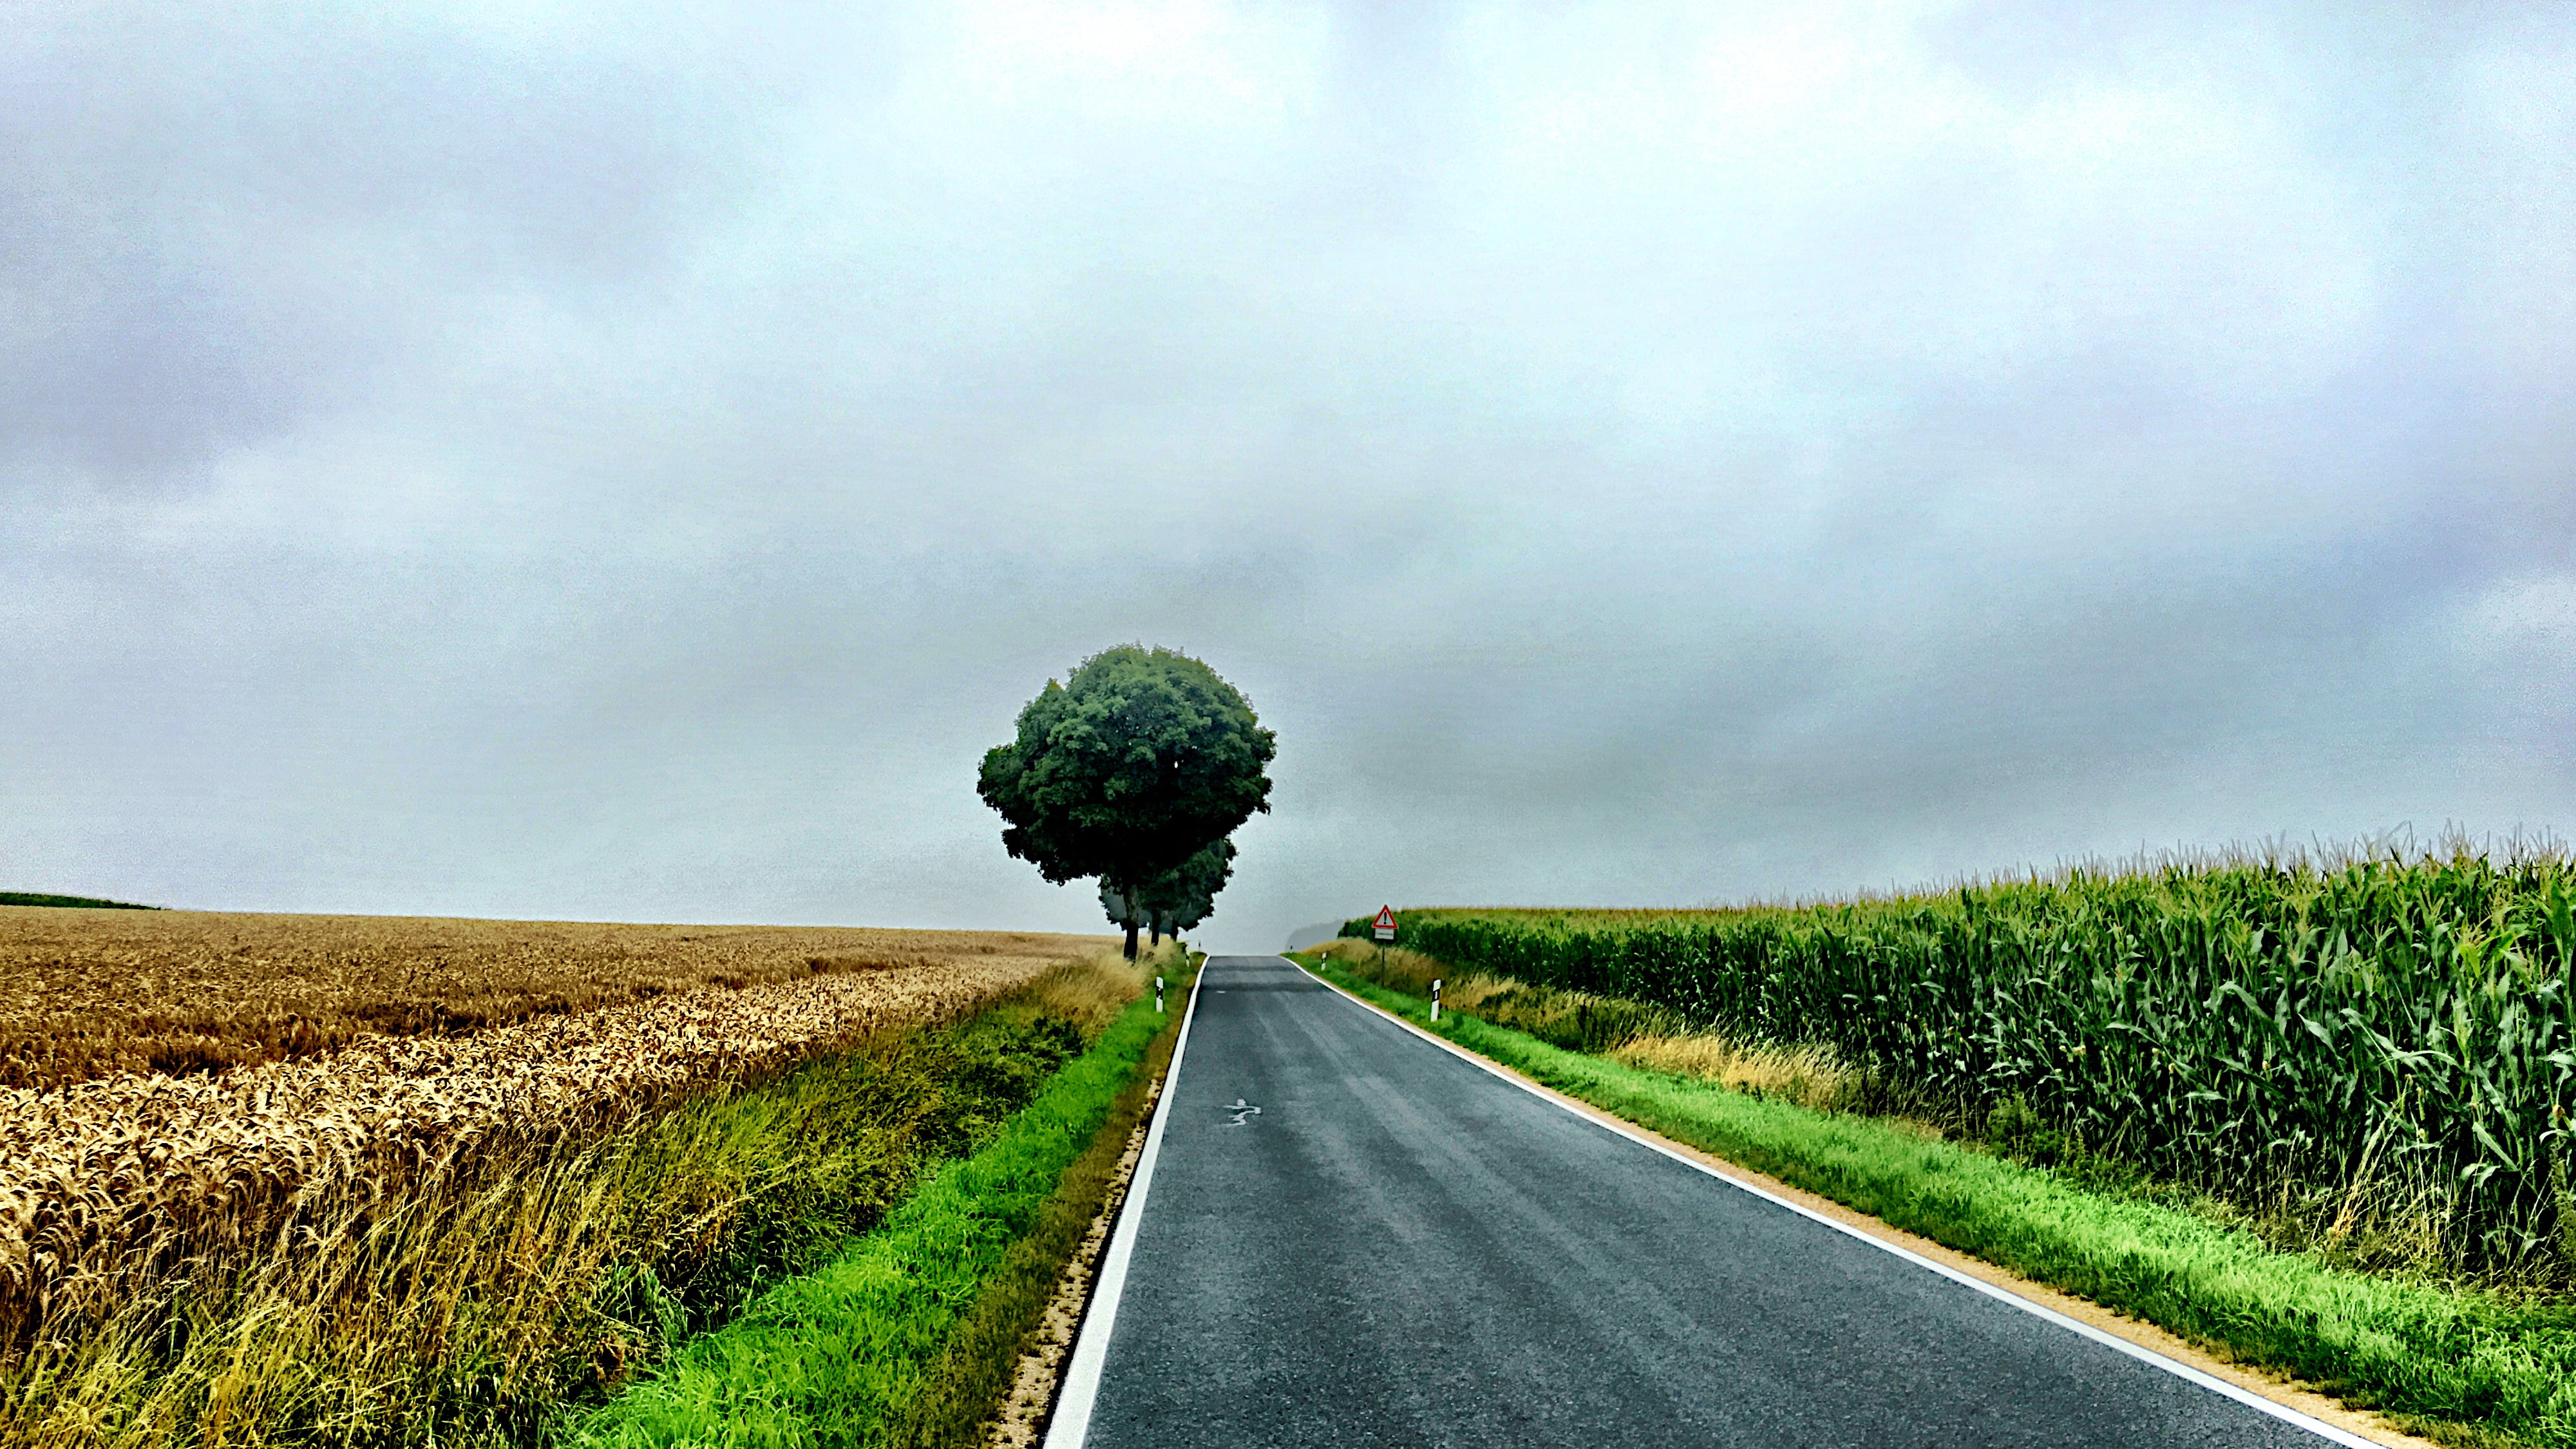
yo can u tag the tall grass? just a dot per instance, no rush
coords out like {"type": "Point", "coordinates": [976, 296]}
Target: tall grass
{"type": "Point", "coordinates": [471, 1304]}
{"type": "Point", "coordinates": [2382, 1046]}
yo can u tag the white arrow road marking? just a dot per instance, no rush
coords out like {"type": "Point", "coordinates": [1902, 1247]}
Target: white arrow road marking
{"type": "Point", "coordinates": [1241, 1110]}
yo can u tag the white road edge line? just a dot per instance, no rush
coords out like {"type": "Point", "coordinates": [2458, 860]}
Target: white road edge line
{"type": "Point", "coordinates": [1071, 1422]}
{"type": "Point", "coordinates": [2143, 1354]}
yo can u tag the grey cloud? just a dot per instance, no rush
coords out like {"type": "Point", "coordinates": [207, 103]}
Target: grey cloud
{"type": "Point", "coordinates": [575, 463]}
{"type": "Point", "coordinates": [225, 221]}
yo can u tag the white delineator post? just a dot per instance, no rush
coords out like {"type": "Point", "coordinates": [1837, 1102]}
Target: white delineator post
{"type": "Point", "coordinates": [1435, 998]}
{"type": "Point", "coordinates": [1158, 993]}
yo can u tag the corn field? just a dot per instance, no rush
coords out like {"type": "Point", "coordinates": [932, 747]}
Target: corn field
{"type": "Point", "coordinates": [2372, 1038]}
{"type": "Point", "coordinates": [112, 1183]}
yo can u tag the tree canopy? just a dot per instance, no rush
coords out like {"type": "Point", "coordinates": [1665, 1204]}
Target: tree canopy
{"type": "Point", "coordinates": [1139, 760]}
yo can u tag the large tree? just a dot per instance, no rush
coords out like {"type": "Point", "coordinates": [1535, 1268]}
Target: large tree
{"type": "Point", "coordinates": [1140, 759]}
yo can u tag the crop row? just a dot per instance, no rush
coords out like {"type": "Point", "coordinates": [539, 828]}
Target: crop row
{"type": "Point", "coordinates": [2378, 1037]}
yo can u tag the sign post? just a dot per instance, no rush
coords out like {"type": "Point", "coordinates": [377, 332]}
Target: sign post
{"type": "Point", "coordinates": [1384, 929]}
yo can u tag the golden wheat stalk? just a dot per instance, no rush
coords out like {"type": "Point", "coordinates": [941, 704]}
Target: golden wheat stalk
{"type": "Point", "coordinates": [98, 1178]}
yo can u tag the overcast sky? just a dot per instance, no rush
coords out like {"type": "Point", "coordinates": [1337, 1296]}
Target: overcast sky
{"type": "Point", "coordinates": [574, 461]}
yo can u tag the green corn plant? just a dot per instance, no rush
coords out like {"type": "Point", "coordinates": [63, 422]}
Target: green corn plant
{"type": "Point", "coordinates": [2379, 1035]}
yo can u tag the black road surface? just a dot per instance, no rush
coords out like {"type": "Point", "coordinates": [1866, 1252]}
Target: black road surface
{"type": "Point", "coordinates": [1353, 1237]}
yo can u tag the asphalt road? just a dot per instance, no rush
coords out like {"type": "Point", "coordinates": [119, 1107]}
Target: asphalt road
{"type": "Point", "coordinates": [1398, 1248]}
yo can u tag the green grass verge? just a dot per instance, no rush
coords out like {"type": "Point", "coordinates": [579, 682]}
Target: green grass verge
{"type": "Point", "coordinates": [863, 1351]}
{"type": "Point", "coordinates": [2464, 1366]}
{"type": "Point", "coordinates": [964, 1389]}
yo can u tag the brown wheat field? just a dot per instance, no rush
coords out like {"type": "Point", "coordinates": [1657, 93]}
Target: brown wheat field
{"type": "Point", "coordinates": [93, 993]}
{"type": "Point", "coordinates": [338, 1055]}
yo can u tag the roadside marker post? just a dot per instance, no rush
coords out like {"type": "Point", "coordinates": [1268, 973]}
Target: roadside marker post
{"type": "Point", "coordinates": [1158, 993]}
{"type": "Point", "coordinates": [1435, 998]}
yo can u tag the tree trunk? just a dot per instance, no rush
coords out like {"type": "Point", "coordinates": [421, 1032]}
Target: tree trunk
{"type": "Point", "coordinates": [1127, 911]}
{"type": "Point", "coordinates": [1157, 937]}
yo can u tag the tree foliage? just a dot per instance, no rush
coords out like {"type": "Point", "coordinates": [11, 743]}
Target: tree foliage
{"type": "Point", "coordinates": [1178, 899]}
{"type": "Point", "coordinates": [1141, 759]}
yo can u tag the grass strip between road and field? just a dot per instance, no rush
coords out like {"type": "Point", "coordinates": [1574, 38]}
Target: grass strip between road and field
{"type": "Point", "coordinates": [910, 1336]}
{"type": "Point", "coordinates": [2466, 1367]}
